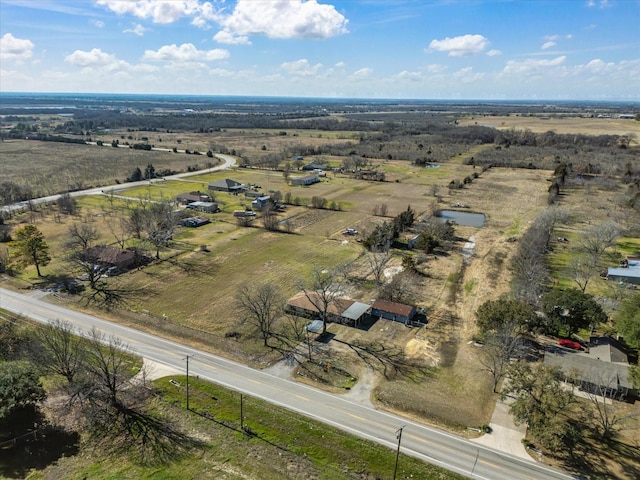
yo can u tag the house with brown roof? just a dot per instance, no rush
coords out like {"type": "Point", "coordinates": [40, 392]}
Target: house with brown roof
{"type": "Point", "coordinates": [107, 256]}
{"type": "Point", "coordinates": [187, 198]}
{"type": "Point", "coordinates": [341, 310]}
{"type": "Point", "coordinates": [398, 312]}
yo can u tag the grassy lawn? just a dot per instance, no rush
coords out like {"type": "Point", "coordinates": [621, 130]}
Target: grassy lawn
{"type": "Point", "coordinates": [281, 445]}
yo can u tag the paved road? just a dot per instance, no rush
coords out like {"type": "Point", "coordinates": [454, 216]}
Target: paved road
{"type": "Point", "coordinates": [451, 452]}
{"type": "Point", "coordinates": [227, 160]}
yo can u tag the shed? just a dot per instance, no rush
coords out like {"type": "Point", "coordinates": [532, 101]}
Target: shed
{"type": "Point", "coordinates": [314, 326]}
{"type": "Point", "coordinates": [194, 222]}
{"type": "Point", "coordinates": [397, 312]}
{"type": "Point", "coordinates": [187, 198]}
{"type": "Point", "coordinates": [208, 207]}
{"type": "Point", "coordinates": [355, 312]}
{"type": "Point", "coordinates": [306, 180]}
{"type": "Point", "coordinates": [260, 202]}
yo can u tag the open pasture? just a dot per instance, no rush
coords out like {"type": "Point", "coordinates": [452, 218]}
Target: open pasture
{"type": "Point", "coordinates": [560, 125]}
{"type": "Point", "coordinates": [50, 167]}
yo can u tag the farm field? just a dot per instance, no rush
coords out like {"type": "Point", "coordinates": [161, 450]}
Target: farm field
{"type": "Point", "coordinates": [560, 125]}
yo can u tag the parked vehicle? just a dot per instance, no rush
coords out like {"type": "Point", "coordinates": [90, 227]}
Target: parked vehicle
{"type": "Point", "coordinates": [567, 343]}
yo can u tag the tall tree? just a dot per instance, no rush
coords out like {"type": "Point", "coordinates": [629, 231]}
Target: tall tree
{"type": "Point", "coordinates": [30, 248]}
{"type": "Point", "coordinates": [19, 386]}
{"type": "Point", "coordinates": [322, 290]}
{"type": "Point", "coordinates": [261, 305]}
{"type": "Point", "coordinates": [59, 349]}
{"type": "Point", "coordinates": [627, 320]}
{"type": "Point", "coordinates": [82, 236]}
{"type": "Point", "coordinates": [494, 314]}
{"type": "Point", "coordinates": [501, 345]}
{"type": "Point", "coordinates": [571, 310]}
{"type": "Point", "coordinates": [159, 224]}
{"type": "Point", "coordinates": [595, 240]}
{"type": "Point", "coordinates": [540, 402]}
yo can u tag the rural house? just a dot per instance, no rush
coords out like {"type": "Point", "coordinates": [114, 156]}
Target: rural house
{"type": "Point", "coordinates": [627, 272]}
{"type": "Point", "coordinates": [312, 166]}
{"type": "Point", "coordinates": [107, 257]}
{"type": "Point", "coordinates": [306, 180]}
{"type": "Point", "coordinates": [227, 185]}
{"type": "Point", "coordinates": [342, 310]}
{"type": "Point", "coordinates": [398, 312]}
{"type": "Point", "coordinates": [602, 369]}
{"type": "Point", "coordinates": [260, 202]}
{"type": "Point", "coordinates": [187, 198]}
{"type": "Point", "coordinates": [207, 207]}
{"type": "Point", "coordinates": [195, 222]}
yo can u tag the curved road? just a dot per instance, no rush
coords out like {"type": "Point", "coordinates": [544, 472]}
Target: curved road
{"type": "Point", "coordinates": [431, 445]}
{"type": "Point", "coordinates": [227, 160]}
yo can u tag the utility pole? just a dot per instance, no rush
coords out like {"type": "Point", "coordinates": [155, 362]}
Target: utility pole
{"type": "Point", "coordinates": [399, 437]}
{"type": "Point", "coordinates": [187, 359]}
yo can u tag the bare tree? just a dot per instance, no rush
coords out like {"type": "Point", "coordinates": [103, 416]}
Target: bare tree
{"type": "Point", "coordinates": [159, 224]}
{"type": "Point", "coordinates": [581, 269]}
{"type": "Point", "coordinates": [598, 238]}
{"type": "Point", "coordinates": [402, 288]}
{"type": "Point", "coordinates": [59, 351]}
{"type": "Point", "coordinates": [119, 228]}
{"type": "Point", "coordinates": [609, 418]}
{"type": "Point", "coordinates": [269, 217]}
{"type": "Point", "coordinates": [322, 290]}
{"type": "Point", "coordinates": [500, 347]}
{"type": "Point", "coordinates": [82, 236]}
{"type": "Point", "coordinates": [261, 305]}
{"type": "Point", "coordinates": [378, 262]}
{"type": "Point", "coordinates": [109, 367]}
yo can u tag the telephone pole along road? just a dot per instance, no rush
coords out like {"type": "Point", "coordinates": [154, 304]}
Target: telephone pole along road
{"type": "Point", "coordinates": [428, 444]}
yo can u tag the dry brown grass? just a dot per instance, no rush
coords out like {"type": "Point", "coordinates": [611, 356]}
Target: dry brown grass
{"type": "Point", "coordinates": [195, 290]}
{"type": "Point", "coordinates": [560, 125]}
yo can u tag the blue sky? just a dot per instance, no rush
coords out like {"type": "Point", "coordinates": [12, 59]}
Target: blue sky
{"type": "Point", "coordinates": [431, 49]}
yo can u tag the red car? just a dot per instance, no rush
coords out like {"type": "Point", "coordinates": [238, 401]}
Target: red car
{"type": "Point", "coordinates": [565, 342]}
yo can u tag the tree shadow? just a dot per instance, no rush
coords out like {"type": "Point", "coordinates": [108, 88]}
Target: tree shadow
{"type": "Point", "coordinates": [28, 443]}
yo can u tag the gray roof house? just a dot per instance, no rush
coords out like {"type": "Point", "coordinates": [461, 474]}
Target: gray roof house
{"type": "Point", "coordinates": [627, 272]}
{"type": "Point", "coordinates": [602, 369]}
{"type": "Point", "coordinates": [306, 180]}
{"type": "Point", "coordinates": [227, 185]}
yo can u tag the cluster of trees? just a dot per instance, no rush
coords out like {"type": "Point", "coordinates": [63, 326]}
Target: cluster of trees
{"type": "Point", "coordinates": [94, 377]}
{"type": "Point", "coordinates": [384, 234]}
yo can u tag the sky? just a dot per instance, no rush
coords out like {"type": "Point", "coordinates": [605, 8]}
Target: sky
{"type": "Point", "coordinates": [391, 49]}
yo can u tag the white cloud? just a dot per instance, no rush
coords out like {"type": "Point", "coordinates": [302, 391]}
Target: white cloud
{"type": "Point", "coordinates": [96, 23]}
{"type": "Point", "coordinates": [548, 44]}
{"type": "Point", "coordinates": [94, 58]}
{"type": "Point", "coordinates": [461, 46]}
{"type": "Point", "coordinates": [410, 76]}
{"type": "Point", "coordinates": [467, 75]}
{"type": "Point", "coordinates": [137, 29]}
{"type": "Point", "coordinates": [301, 68]}
{"type": "Point", "coordinates": [436, 68]}
{"type": "Point", "coordinates": [186, 52]}
{"type": "Point", "coordinates": [224, 36]}
{"type": "Point", "coordinates": [599, 66]}
{"type": "Point", "coordinates": [340, 65]}
{"type": "Point", "coordinates": [594, 3]}
{"type": "Point", "coordinates": [159, 11]}
{"type": "Point", "coordinates": [285, 19]}
{"type": "Point", "coordinates": [568, 36]}
{"type": "Point", "coordinates": [493, 53]}
{"type": "Point", "coordinates": [551, 38]}
{"type": "Point", "coordinates": [12, 48]}
{"type": "Point", "coordinates": [532, 66]}
{"type": "Point", "coordinates": [362, 73]}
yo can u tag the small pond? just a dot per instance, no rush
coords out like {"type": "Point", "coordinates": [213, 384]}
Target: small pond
{"type": "Point", "coordinates": [466, 219]}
